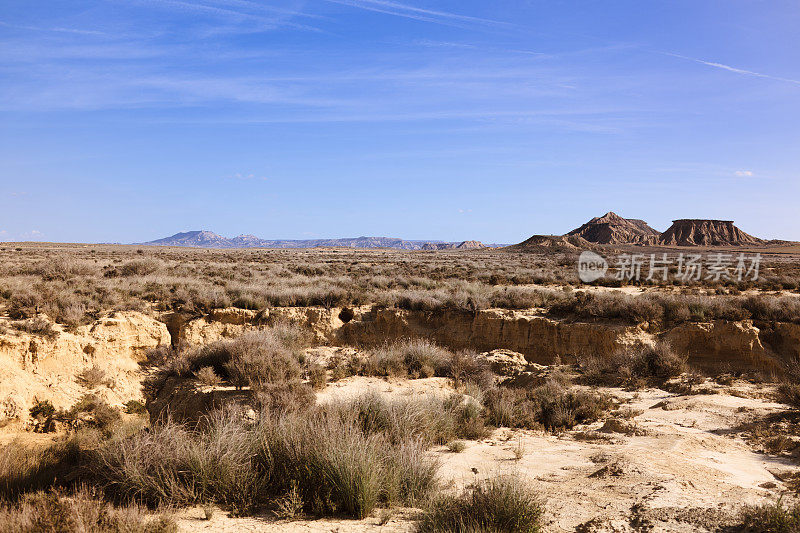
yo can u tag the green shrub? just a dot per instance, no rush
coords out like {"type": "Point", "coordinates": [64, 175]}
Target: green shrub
{"type": "Point", "coordinates": [91, 410]}
{"type": "Point", "coordinates": [135, 407]}
{"type": "Point", "coordinates": [43, 413]}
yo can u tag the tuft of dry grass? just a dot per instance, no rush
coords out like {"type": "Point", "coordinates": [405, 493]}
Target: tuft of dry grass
{"type": "Point", "coordinates": [637, 366]}
{"type": "Point", "coordinates": [552, 406]}
{"type": "Point", "coordinates": [501, 504]}
{"type": "Point", "coordinates": [93, 377]}
{"type": "Point", "coordinates": [207, 376]}
{"type": "Point", "coordinates": [770, 518]}
{"type": "Point", "coordinates": [78, 512]}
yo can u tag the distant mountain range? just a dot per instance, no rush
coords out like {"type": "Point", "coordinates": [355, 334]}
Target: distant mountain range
{"type": "Point", "coordinates": [209, 239]}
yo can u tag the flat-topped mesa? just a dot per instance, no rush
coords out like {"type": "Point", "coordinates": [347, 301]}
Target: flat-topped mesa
{"type": "Point", "coordinates": [613, 229]}
{"type": "Point", "coordinates": [464, 245]}
{"type": "Point", "coordinates": [700, 232]}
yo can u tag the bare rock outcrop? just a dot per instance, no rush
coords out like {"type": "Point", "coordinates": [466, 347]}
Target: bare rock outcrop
{"type": "Point", "coordinates": [541, 339]}
{"type": "Point", "coordinates": [46, 368]}
{"type": "Point", "coordinates": [464, 245]}
{"type": "Point", "coordinates": [717, 345]}
{"type": "Point", "coordinates": [229, 322]}
{"type": "Point", "coordinates": [721, 346]}
{"type": "Point", "coordinates": [613, 229]}
{"type": "Point", "coordinates": [505, 362]}
{"type": "Point", "coordinates": [698, 232]}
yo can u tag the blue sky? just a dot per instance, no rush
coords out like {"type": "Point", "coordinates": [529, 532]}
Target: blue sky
{"type": "Point", "coordinates": [129, 120]}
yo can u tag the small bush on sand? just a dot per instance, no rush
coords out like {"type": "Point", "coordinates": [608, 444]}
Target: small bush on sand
{"type": "Point", "coordinates": [552, 406]}
{"type": "Point", "coordinates": [340, 468]}
{"type": "Point", "coordinates": [415, 358]}
{"type": "Point", "coordinates": [207, 376]}
{"type": "Point", "coordinates": [93, 377]}
{"type": "Point", "coordinates": [79, 512]}
{"type": "Point", "coordinates": [770, 518]}
{"type": "Point", "coordinates": [656, 363]}
{"type": "Point", "coordinates": [499, 505]}
{"type": "Point", "coordinates": [287, 396]}
{"type": "Point", "coordinates": [456, 446]}
{"type": "Point", "coordinates": [91, 410]}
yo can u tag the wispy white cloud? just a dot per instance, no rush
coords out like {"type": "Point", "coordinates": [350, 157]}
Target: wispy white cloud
{"type": "Point", "coordinates": [416, 13]}
{"type": "Point", "coordinates": [76, 31]}
{"type": "Point", "coordinates": [442, 44]}
{"type": "Point", "coordinates": [733, 69]}
{"type": "Point", "coordinates": [246, 177]}
{"type": "Point", "coordinates": [743, 173]}
{"type": "Point", "coordinates": [278, 18]}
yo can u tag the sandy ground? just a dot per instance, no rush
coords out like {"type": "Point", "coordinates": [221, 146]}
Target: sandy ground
{"type": "Point", "coordinates": [678, 462]}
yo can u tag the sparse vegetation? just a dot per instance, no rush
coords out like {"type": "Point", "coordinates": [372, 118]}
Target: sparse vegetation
{"type": "Point", "coordinates": [552, 406]}
{"type": "Point", "coordinates": [343, 457]}
{"type": "Point", "coordinates": [631, 367]}
{"type": "Point", "coordinates": [78, 512]}
{"type": "Point", "coordinates": [93, 377]}
{"type": "Point", "coordinates": [771, 518]}
{"type": "Point", "coordinates": [501, 504]}
{"type": "Point", "coordinates": [331, 464]}
{"type": "Point", "coordinates": [207, 376]}
{"type": "Point", "coordinates": [43, 280]}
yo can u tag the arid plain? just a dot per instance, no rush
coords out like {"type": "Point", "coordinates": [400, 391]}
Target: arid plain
{"type": "Point", "coordinates": [168, 388]}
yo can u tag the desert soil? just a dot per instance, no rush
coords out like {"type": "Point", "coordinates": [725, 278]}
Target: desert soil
{"type": "Point", "coordinates": [676, 466]}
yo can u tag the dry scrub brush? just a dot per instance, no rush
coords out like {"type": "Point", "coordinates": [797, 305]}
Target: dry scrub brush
{"type": "Point", "coordinates": [503, 504]}
{"type": "Point", "coordinates": [636, 366]}
{"type": "Point", "coordinates": [78, 512]}
{"type": "Point", "coordinates": [73, 286]}
{"type": "Point", "coordinates": [333, 463]}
